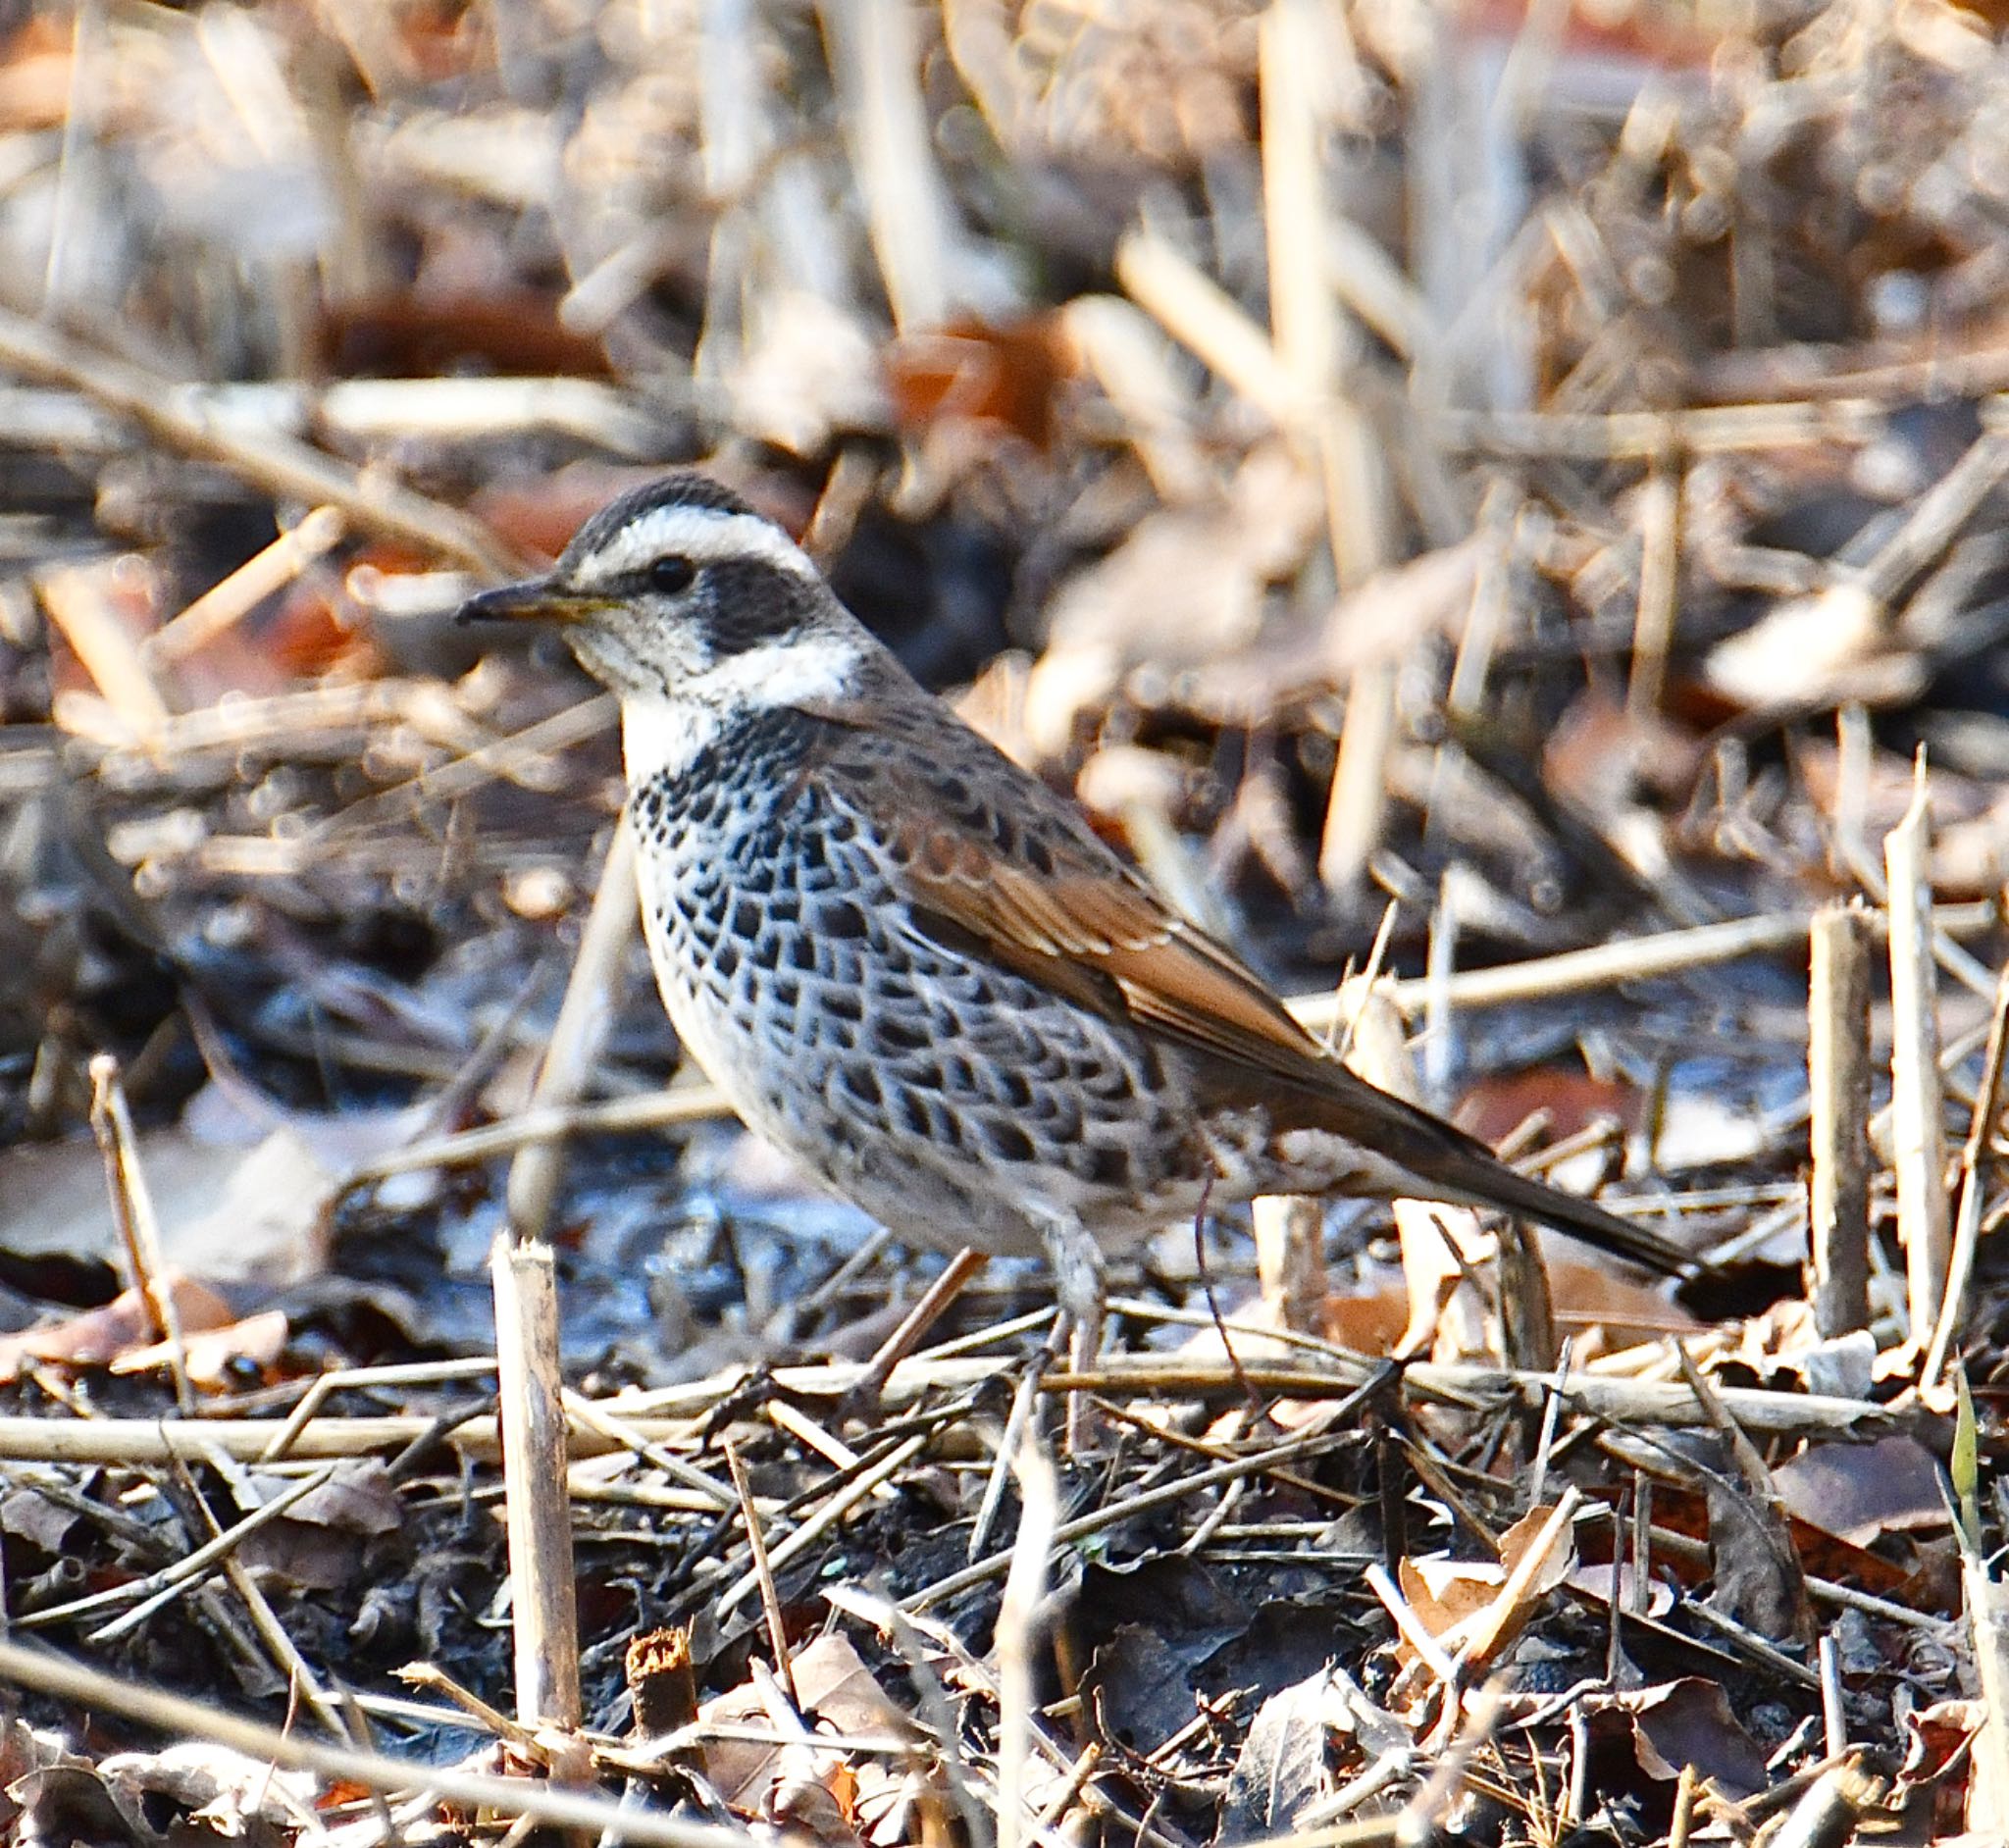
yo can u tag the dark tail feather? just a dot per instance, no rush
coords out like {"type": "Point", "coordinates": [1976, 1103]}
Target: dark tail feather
{"type": "Point", "coordinates": [1483, 1180]}
{"type": "Point", "coordinates": [1452, 1166]}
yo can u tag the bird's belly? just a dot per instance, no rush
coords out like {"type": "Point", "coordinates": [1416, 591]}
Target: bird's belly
{"type": "Point", "coordinates": [955, 1102]}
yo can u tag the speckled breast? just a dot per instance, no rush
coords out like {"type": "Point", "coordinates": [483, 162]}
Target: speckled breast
{"type": "Point", "coordinates": [926, 1084]}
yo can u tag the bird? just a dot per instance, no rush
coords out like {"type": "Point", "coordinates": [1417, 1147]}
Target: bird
{"type": "Point", "coordinates": [914, 966]}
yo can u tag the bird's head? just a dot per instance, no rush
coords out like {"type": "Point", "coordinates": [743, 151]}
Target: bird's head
{"type": "Point", "coordinates": [680, 590]}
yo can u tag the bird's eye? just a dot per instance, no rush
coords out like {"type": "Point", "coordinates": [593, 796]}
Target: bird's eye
{"type": "Point", "coordinates": [672, 575]}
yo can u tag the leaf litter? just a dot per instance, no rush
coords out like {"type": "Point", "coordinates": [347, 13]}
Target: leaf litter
{"type": "Point", "coordinates": [1511, 489]}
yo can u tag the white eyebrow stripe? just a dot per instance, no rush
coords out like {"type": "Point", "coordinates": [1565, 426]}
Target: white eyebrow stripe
{"type": "Point", "coordinates": [704, 534]}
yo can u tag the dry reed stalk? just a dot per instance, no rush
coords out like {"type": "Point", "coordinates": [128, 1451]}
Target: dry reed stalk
{"type": "Point", "coordinates": [934, 1303]}
{"type": "Point", "coordinates": [1967, 1219]}
{"type": "Point", "coordinates": [1545, 1439]}
{"type": "Point", "coordinates": [301, 1681]}
{"type": "Point", "coordinates": [675, 1104]}
{"type": "Point", "coordinates": [735, 139]}
{"type": "Point", "coordinates": [142, 1594]}
{"type": "Point", "coordinates": [1449, 1304]}
{"type": "Point", "coordinates": [1936, 517]}
{"type": "Point", "coordinates": [1310, 341]}
{"type": "Point", "coordinates": [762, 1574]}
{"type": "Point", "coordinates": [1640, 436]}
{"type": "Point", "coordinates": [323, 1386]}
{"type": "Point", "coordinates": [365, 411]}
{"type": "Point", "coordinates": [1630, 960]}
{"type": "Point", "coordinates": [1961, 964]}
{"type": "Point", "coordinates": [1304, 323]}
{"type": "Point", "coordinates": [1363, 276]}
{"type": "Point", "coordinates": [463, 410]}
{"type": "Point", "coordinates": [1211, 326]}
{"type": "Point", "coordinates": [1839, 1088]}
{"type": "Point", "coordinates": [1834, 1807]}
{"type": "Point", "coordinates": [1787, 1567]}
{"type": "Point", "coordinates": [1018, 1617]}
{"type": "Point", "coordinates": [1492, 592]}
{"type": "Point", "coordinates": [1313, 1441]}
{"type": "Point", "coordinates": [798, 1425]}
{"type": "Point", "coordinates": [1988, 1617]}
{"type": "Point", "coordinates": [593, 999]}
{"type": "Point", "coordinates": [178, 418]}
{"type": "Point", "coordinates": [1024, 1396]}
{"type": "Point", "coordinates": [1132, 361]}
{"type": "Point", "coordinates": [1485, 1633]}
{"type": "Point", "coordinates": [663, 1417]}
{"type": "Point", "coordinates": [1686, 1792]}
{"type": "Point", "coordinates": [869, 1481]}
{"type": "Point", "coordinates": [1290, 1259]}
{"type": "Point", "coordinates": [1833, 1707]}
{"type": "Point", "coordinates": [333, 718]}
{"type": "Point", "coordinates": [79, 604]}
{"type": "Point", "coordinates": [87, 1689]}
{"type": "Point", "coordinates": [140, 1442]}
{"type": "Point", "coordinates": [875, 65]}
{"type": "Point", "coordinates": [623, 1435]}
{"type": "Point", "coordinates": [1918, 1129]}
{"type": "Point", "coordinates": [433, 1679]}
{"type": "Point", "coordinates": [1659, 571]}
{"type": "Point", "coordinates": [543, 1603]}
{"type": "Point", "coordinates": [501, 758]}
{"type": "Point", "coordinates": [1409, 1626]}
{"type": "Point", "coordinates": [1666, 1404]}
{"type": "Point", "coordinates": [228, 602]}
{"type": "Point", "coordinates": [132, 1210]}
{"type": "Point", "coordinates": [1359, 780]}
{"type": "Point", "coordinates": [544, 1608]}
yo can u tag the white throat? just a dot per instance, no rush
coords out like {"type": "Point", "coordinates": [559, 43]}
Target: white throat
{"type": "Point", "coordinates": [663, 734]}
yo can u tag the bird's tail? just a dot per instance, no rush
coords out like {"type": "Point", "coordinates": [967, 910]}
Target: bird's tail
{"type": "Point", "coordinates": [1445, 1164]}
{"type": "Point", "coordinates": [1482, 1179]}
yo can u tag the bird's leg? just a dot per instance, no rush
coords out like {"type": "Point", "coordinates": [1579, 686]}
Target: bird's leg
{"type": "Point", "coordinates": [1078, 1283]}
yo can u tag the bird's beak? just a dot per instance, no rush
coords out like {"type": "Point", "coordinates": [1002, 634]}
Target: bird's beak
{"type": "Point", "coordinates": [535, 599]}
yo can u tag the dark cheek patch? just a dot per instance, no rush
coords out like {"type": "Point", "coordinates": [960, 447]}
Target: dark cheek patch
{"type": "Point", "coordinates": [749, 603]}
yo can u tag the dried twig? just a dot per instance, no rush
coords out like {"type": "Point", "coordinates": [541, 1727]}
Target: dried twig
{"type": "Point", "coordinates": [1018, 1616]}
{"type": "Point", "coordinates": [88, 1690]}
{"type": "Point", "coordinates": [763, 1575]}
{"type": "Point", "coordinates": [139, 1231]}
{"type": "Point", "coordinates": [177, 417]}
{"type": "Point", "coordinates": [229, 601]}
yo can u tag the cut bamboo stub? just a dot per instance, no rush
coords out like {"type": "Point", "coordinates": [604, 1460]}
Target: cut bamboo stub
{"type": "Point", "coordinates": [1838, 1083]}
{"type": "Point", "coordinates": [544, 1604]}
{"type": "Point", "coordinates": [534, 1479]}
{"type": "Point", "coordinates": [1918, 1132]}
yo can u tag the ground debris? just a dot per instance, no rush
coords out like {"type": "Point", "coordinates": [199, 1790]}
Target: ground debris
{"type": "Point", "coordinates": [1502, 509]}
